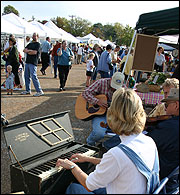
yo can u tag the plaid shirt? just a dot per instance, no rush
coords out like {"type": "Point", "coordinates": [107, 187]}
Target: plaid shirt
{"type": "Point", "coordinates": [101, 86]}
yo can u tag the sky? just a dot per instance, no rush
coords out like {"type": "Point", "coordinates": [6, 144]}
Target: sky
{"type": "Point", "coordinates": [105, 12]}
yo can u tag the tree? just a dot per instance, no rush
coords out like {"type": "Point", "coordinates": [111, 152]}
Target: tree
{"type": "Point", "coordinates": [10, 9]}
{"type": "Point", "coordinates": [76, 26]}
{"type": "Point", "coordinates": [60, 22]}
{"type": "Point", "coordinates": [109, 32]}
{"type": "Point", "coordinates": [127, 35]}
{"type": "Point", "coordinates": [79, 27]}
{"type": "Point", "coordinates": [97, 30]}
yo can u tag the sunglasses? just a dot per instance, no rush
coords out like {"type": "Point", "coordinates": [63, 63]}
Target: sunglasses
{"type": "Point", "coordinates": [167, 104]}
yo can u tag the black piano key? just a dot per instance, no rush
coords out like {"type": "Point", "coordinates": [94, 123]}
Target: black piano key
{"type": "Point", "coordinates": [45, 167]}
{"type": "Point", "coordinates": [50, 164]}
{"type": "Point", "coordinates": [41, 168]}
{"type": "Point", "coordinates": [35, 171]}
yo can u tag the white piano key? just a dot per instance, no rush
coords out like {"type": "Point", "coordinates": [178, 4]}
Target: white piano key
{"type": "Point", "coordinates": [46, 174]}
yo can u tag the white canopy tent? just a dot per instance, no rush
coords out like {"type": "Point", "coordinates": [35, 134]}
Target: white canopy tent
{"type": "Point", "coordinates": [65, 35]}
{"type": "Point", "coordinates": [29, 29]}
{"type": "Point", "coordinates": [90, 39]}
{"type": "Point", "coordinates": [48, 32]}
{"type": "Point", "coordinates": [110, 43]}
{"type": "Point", "coordinates": [10, 28]}
{"type": "Point", "coordinates": [102, 43]}
{"type": "Point", "coordinates": [169, 39]}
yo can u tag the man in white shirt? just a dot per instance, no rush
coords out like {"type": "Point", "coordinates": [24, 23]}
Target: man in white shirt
{"type": "Point", "coordinates": [80, 53]}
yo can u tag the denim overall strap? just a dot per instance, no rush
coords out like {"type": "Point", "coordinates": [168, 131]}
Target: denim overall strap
{"type": "Point", "coordinates": [151, 176]}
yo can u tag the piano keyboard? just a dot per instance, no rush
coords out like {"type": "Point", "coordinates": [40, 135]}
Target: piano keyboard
{"type": "Point", "coordinates": [45, 170]}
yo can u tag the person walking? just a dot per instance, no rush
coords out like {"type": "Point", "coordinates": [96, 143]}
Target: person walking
{"type": "Point", "coordinates": [55, 56]}
{"type": "Point", "coordinates": [33, 51]}
{"type": "Point", "coordinates": [65, 56]}
{"type": "Point", "coordinates": [79, 54]}
{"type": "Point", "coordinates": [45, 56]}
{"type": "Point", "coordinates": [104, 62]}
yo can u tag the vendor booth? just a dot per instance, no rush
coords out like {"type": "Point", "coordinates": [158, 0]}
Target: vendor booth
{"type": "Point", "coordinates": [156, 24]}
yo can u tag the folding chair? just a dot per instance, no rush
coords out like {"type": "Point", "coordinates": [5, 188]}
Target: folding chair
{"type": "Point", "coordinates": [164, 181]}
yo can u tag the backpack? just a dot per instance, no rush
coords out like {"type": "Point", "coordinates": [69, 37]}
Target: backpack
{"type": "Point", "coordinates": [151, 176]}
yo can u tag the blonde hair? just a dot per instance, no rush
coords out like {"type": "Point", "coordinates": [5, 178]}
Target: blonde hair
{"type": "Point", "coordinates": [171, 82]}
{"type": "Point", "coordinates": [9, 67]}
{"type": "Point", "coordinates": [90, 55]}
{"type": "Point", "coordinates": [126, 114]}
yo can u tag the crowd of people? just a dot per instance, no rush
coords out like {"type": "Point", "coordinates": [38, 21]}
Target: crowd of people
{"type": "Point", "coordinates": [136, 153]}
{"type": "Point", "coordinates": [106, 62]}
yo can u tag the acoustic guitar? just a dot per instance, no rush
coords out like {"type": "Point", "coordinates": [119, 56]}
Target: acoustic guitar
{"type": "Point", "coordinates": [85, 110]}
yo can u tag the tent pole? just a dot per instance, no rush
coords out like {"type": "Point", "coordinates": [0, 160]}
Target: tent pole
{"type": "Point", "coordinates": [129, 51]}
{"type": "Point", "coordinates": [24, 44]}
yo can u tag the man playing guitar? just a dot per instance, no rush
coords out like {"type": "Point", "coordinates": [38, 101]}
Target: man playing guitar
{"type": "Point", "coordinates": [106, 86]}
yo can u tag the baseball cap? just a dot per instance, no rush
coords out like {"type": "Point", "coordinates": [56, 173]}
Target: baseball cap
{"type": "Point", "coordinates": [173, 95]}
{"type": "Point", "coordinates": [117, 80]}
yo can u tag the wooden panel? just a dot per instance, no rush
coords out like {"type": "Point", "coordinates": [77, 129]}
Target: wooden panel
{"type": "Point", "coordinates": [145, 52]}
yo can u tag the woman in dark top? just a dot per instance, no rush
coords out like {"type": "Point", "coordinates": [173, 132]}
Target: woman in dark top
{"type": "Point", "coordinates": [13, 59]}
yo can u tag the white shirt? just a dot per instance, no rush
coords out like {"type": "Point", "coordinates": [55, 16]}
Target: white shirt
{"type": "Point", "coordinates": [89, 65]}
{"type": "Point", "coordinates": [118, 173]}
{"type": "Point", "coordinates": [80, 51]}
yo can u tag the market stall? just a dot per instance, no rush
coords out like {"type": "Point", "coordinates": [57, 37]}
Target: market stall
{"type": "Point", "coordinates": [160, 23]}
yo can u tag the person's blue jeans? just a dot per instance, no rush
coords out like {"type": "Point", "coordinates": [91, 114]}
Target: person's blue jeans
{"type": "Point", "coordinates": [75, 188]}
{"type": "Point", "coordinates": [113, 70]}
{"type": "Point", "coordinates": [31, 72]}
{"type": "Point", "coordinates": [104, 74]}
{"type": "Point", "coordinates": [97, 132]}
{"type": "Point", "coordinates": [55, 65]}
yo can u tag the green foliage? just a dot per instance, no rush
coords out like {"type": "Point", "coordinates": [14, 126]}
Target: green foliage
{"type": "Point", "coordinates": [10, 9]}
{"type": "Point", "coordinates": [97, 30]}
{"type": "Point", "coordinates": [161, 78]}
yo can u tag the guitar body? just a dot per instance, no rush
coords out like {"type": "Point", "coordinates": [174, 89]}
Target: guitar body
{"type": "Point", "coordinates": [85, 110]}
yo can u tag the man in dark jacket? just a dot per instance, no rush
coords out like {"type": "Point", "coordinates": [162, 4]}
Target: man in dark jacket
{"type": "Point", "coordinates": [166, 137]}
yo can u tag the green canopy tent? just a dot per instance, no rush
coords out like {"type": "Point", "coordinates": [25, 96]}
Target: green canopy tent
{"type": "Point", "coordinates": [164, 22]}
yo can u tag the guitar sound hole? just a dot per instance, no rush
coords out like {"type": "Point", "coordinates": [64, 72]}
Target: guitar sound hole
{"type": "Point", "coordinates": [93, 109]}
{"type": "Point", "coordinates": [96, 106]}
